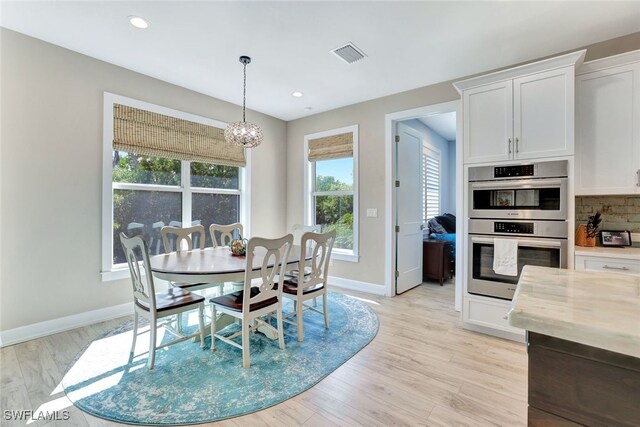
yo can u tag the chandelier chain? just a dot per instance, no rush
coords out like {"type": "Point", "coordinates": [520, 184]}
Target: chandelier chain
{"type": "Point", "coordinates": [244, 93]}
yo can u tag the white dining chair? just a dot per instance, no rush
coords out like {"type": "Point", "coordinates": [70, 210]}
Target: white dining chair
{"type": "Point", "coordinates": [173, 238]}
{"type": "Point", "coordinates": [222, 235]}
{"type": "Point", "coordinates": [309, 286]}
{"type": "Point", "coordinates": [154, 305]}
{"type": "Point", "coordinates": [261, 296]}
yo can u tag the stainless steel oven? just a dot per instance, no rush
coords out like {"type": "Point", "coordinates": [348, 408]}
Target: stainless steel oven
{"type": "Point", "coordinates": [540, 243]}
{"type": "Point", "coordinates": [529, 191]}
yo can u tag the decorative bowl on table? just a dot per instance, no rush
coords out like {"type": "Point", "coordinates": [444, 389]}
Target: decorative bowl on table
{"type": "Point", "coordinates": [238, 247]}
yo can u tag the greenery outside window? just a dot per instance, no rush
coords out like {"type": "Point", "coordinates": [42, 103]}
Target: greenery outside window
{"type": "Point", "coordinates": [143, 193]}
{"type": "Point", "coordinates": [331, 187]}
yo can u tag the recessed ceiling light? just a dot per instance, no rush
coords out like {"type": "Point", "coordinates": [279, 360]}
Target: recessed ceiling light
{"type": "Point", "coordinates": [138, 22]}
{"type": "Point", "coordinates": [297, 94]}
{"type": "Point", "coordinates": [308, 108]}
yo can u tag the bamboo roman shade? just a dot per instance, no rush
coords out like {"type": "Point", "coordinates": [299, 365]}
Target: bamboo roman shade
{"type": "Point", "coordinates": [157, 135]}
{"type": "Point", "coordinates": [331, 147]}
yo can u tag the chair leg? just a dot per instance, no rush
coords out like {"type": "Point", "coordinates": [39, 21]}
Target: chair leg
{"type": "Point", "coordinates": [135, 331]}
{"type": "Point", "coordinates": [201, 323]}
{"type": "Point", "coordinates": [325, 307]}
{"type": "Point", "coordinates": [280, 328]}
{"type": "Point", "coordinates": [153, 328]}
{"type": "Point", "coordinates": [213, 328]}
{"type": "Point", "coordinates": [245, 343]}
{"type": "Point", "coordinates": [299, 311]}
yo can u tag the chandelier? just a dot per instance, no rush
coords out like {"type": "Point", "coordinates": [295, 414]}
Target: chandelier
{"type": "Point", "coordinates": [244, 134]}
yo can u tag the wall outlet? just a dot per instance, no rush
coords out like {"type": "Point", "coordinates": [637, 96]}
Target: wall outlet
{"type": "Point", "coordinates": [372, 212]}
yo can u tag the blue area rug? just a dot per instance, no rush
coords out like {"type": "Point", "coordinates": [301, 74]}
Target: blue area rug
{"type": "Point", "coordinates": [189, 385]}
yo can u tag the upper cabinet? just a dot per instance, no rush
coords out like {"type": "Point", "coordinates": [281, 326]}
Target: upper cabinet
{"type": "Point", "coordinates": [608, 126]}
{"type": "Point", "coordinates": [525, 112]}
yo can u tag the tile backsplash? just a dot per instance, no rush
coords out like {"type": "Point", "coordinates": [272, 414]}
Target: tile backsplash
{"type": "Point", "coordinates": [618, 212]}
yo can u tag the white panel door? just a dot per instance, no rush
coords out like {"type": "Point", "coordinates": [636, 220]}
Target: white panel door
{"type": "Point", "coordinates": [488, 123]}
{"type": "Point", "coordinates": [409, 209]}
{"type": "Point", "coordinates": [608, 131]}
{"type": "Point", "coordinates": [543, 114]}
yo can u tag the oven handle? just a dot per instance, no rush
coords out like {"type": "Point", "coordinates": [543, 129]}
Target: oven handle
{"type": "Point", "coordinates": [521, 242]}
{"type": "Point", "coordinates": [522, 183]}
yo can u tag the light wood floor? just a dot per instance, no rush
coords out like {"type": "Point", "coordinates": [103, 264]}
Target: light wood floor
{"type": "Point", "coordinates": [421, 369]}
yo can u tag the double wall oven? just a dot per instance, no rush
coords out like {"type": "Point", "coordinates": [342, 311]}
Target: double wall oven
{"type": "Point", "coordinates": [527, 203]}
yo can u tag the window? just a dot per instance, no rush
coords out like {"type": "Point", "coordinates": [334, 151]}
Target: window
{"type": "Point", "coordinates": [431, 176]}
{"type": "Point", "coordinates": [331, 187]}
{"type": "Point", "coordinates": [143, 193]}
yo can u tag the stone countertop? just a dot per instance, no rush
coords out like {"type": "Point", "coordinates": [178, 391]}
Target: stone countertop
{"type": "Point", "coordinates": [625, 252]}
{"type": "Point", "coordinates": [592, 308]}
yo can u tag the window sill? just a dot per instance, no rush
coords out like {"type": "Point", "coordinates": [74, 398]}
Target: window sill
{"type": "Point", "coordinates": [341, 256]}
{"type": "Point", "coordinates": [116, 274]}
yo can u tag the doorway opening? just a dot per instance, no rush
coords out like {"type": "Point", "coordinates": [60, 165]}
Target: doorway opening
{"type": "Point", "coordinates": [424, 175]}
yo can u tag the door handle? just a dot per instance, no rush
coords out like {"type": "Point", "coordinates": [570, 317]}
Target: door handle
{"type": "Point", "coordinates": [517, 148]}
{"type": "Point", "coordinates": [509, 145]}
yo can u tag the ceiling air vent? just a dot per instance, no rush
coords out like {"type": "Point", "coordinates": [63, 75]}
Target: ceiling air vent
{"type": "Point", "coordinates": [349, 53]}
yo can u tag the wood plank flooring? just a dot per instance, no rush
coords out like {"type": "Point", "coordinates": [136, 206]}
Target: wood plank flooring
{"type": "Point", "coordinates": [421, 369]}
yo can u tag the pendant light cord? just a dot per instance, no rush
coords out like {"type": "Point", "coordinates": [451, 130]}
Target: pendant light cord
{"type": "Point", "coordinates": [244, 92]}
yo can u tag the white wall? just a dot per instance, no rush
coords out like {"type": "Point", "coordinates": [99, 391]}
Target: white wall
{"type": "Point", "coordinates": [51, 136]}
{"type": "Point", "coordinates": [447, 163]}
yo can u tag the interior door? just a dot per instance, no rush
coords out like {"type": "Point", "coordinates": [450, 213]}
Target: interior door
{"type": "Point", "coordinates": [409, 209]}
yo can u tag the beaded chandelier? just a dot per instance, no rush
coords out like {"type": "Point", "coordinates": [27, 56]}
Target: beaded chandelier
{"type": "Point", "coordinates": [244, 134]}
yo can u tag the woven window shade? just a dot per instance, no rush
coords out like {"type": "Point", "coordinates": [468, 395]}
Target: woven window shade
{"type": "Point", "coordinates": [156, 135]}
{"type": "Point", "coordinates": [331, 147]}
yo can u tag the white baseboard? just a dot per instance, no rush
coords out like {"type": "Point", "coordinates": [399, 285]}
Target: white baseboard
{"type": "Point", "coordinates": [41, 329]}
{"type": "Point", "coordinates": [356, 285]}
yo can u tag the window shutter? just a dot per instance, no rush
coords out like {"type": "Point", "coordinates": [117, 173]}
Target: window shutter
{"type": "Point", "coordinates": [431, 174]}
{"type": "Point", "coordinates": [156, 135]}
{"type": "Point", "coordinates": [331, 147]}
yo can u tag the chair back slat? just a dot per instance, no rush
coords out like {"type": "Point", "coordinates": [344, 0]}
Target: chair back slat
{"type": "Point", "coordinates": [226, 233]}
{"type": "Point", "coordinates": [298, 230]}
{"type": "Point", "coordinates": [172, 238]}
{"type": "Point", "coordinates": [271, 271]}
{"type": "Point", "coordinates": [136, 250]}
{"type": "Point", "coordinates": [320, 245]}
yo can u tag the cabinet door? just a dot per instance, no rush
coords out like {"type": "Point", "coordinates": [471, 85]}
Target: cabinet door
{"type": "Point", "coordinates": [543, 114]}
{"type": "Point", "coordinates": [488, 123]}
{"type": "Point", "coordinates": [608, 131]}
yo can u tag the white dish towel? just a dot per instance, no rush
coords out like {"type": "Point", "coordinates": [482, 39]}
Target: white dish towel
{"type": "Point", "coordinates": [505, 256]}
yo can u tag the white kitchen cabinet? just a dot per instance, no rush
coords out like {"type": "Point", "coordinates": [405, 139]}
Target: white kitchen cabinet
{"type": "Point", "coordinates": [608, 260]}
{"type": "Point", "coordinates": [608, 129]}
{"type": "Point", "coordinates": [488, 123]}
{"type": "Point", "coordinates": [522, 113]}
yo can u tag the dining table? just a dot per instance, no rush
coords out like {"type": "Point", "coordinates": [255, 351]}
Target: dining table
{"type": "Point", "coordinates": [209, 267]}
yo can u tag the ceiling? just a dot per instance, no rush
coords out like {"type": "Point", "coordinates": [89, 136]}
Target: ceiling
{"type": "Point", "coordinates": [408, 44]}
{"type": "Point", "coordinates": [444, 124]}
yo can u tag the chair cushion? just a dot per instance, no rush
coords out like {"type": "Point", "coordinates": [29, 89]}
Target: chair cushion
{"type": "Point", "coordinates": [291, 287]}
{"type": "Point", "coordinates": [234, 300]}
{"type": "Point", "coordinates": [174, 298]}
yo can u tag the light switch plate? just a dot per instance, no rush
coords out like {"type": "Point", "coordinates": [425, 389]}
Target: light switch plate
{"type": "Point", "coordinates": [372, 212]}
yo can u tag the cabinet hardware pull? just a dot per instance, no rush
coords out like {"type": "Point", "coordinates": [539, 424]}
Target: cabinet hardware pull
{"type": "Point", "coordinates": [615, 268]}
{"type": "Point", "coordinates": [517, 148]}
{"type": "Point", "coordinates": [638, 178]}
{"type": "Point", "coordinates": [510, 149]}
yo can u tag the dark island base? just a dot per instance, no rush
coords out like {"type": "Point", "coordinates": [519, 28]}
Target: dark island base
{"type": "Point", "coordinates": [573, 384]}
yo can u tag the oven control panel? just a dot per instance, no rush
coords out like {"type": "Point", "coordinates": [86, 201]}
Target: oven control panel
{"type": "Point", "coordinates": [513, 227]}
{"type": "Point", "coordinates": [513, 171]}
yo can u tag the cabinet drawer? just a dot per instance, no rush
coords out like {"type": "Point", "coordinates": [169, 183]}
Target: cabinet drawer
{"type": "Point", "coordinates": [491, 314]}
{"type": "Point", "coordinates": [609, 265]}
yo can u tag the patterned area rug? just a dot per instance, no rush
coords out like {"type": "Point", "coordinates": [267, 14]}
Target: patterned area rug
{"type": "Point", "coordinates": [189, 385]}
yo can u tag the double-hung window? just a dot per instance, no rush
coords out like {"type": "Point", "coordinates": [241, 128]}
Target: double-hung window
{"type": "Point", "coordinates": [331, 187]}
{"type": "Point", "coordinates": [431, 199]}
{"type": "Point", "coordinates": [164, 167]}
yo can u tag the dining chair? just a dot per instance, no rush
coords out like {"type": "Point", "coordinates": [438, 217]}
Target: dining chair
{"type": "Point", "coordinates": [225, 232]}
{"type": "Point", "coordinates": [172, 237]}
{"type": "Point", "coordinates": [298, 230]}
{"type": "Point", "coordinates": [154, 305]}
{"type": "Point", "coordinates": [306, 287]}
{"type": "Point", "coordinates": [261, 295]}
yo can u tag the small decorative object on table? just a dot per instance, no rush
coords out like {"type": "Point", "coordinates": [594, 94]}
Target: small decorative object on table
{"type": "Point", "coordinates": [586, 234]}
{"type": "Point", "coordinates": [238, 247]}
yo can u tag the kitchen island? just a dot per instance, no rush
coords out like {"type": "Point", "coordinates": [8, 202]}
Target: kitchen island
{"type": "Point", "coordinates": [583, 337]}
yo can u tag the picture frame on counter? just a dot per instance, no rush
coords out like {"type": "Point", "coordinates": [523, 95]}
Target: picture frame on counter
{"type": "Point", "coordinates": [615, 238]}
